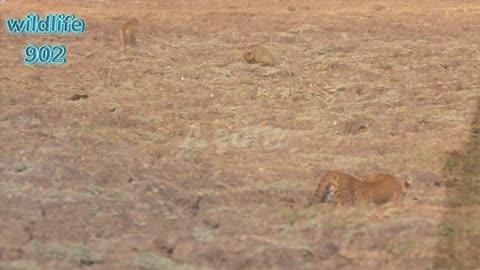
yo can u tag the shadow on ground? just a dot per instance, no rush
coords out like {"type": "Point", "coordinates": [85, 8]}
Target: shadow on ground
{"type": "Point", "coordinates": [460, 232]}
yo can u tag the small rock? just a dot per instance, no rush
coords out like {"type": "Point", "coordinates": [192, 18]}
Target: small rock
{"type": "Point", "coordinates": [19, 167]}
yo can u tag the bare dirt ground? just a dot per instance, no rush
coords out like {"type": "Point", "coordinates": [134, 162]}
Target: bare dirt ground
{"type": "Point", "coordinates": [185, 157]}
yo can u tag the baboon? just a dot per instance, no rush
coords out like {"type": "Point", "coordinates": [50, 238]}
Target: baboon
{"type": "Point", "coordinates": [126, 34]}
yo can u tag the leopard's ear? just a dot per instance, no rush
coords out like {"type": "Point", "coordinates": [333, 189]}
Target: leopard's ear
{"type": "Point", "coordinates": [407, 183]}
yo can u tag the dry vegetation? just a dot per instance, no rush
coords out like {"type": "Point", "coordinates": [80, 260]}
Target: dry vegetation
{"type": "Point", "coordinates": [183, 156]}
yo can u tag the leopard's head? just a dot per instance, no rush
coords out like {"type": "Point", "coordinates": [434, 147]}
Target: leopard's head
{"type": "Point", "coordinates": [327, 194]}
{"type": "Point", "coordinates": [249, 56]}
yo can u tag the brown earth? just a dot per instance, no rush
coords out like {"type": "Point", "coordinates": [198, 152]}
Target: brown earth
{"type": "Point", "coordinates": [179, 155]}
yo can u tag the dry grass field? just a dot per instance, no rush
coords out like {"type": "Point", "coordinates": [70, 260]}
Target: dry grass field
{"type": "Point", "coordinates": [183, 156]}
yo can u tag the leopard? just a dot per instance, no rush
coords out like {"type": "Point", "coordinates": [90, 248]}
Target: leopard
{"type": "Point", "coordinates": [126, 34]}
{"type": "Point", "coordinates": [339, 188]}
{"type": "Point", "coordinates": [258, 54]}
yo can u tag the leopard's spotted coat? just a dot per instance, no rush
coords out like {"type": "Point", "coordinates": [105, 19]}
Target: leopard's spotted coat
{"type": "Point", "coordinates": [343, 189]}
